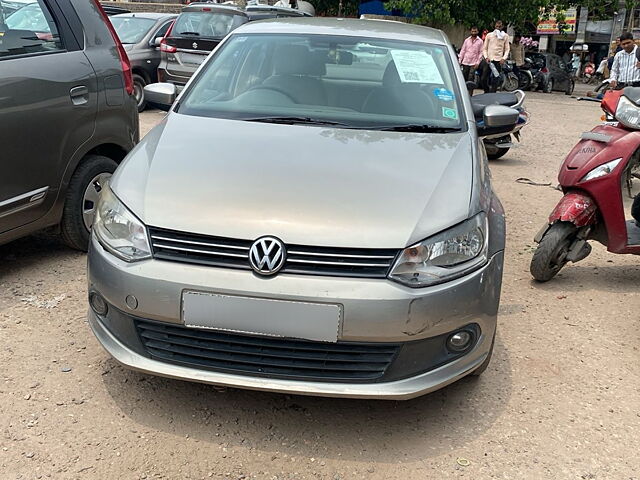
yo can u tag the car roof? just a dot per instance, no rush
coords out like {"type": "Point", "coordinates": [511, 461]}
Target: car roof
{"type": "Point", "coordinates": [214, 8]}
{"type": "Point", "coordinates": [349, 27]}
{"type": "Point", "coordinates": [151, 15]}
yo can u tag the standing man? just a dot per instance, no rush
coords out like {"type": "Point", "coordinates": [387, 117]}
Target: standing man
{"type": "Point", "coordinates": [517, 51]}
{"type": "Point", "coordinates": [618, 48]}
{"type": "Point", "coordinates": [496, 52]}
{"type": "Point", "coordinates": [625, 71]}
{"type": "Point", "coordinates": [470, 55]}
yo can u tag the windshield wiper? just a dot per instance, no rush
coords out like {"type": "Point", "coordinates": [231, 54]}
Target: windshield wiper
{"type": "Point", "coordinates": [189, 33]}
{"type": "Point", "coordinates": [296, 120]}
{"type": "Point", "coordinates": [423, 128]}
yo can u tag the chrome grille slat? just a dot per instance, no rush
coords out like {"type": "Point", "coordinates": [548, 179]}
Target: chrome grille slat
{"type": "Point", "coordinates": [316, 254]}
{"type": "Point", "coordinates": [301, 259]}
{"type": "Point", "coordinates": [346, 264]}
{"type": "Point", "coordinates": [206, 252]}
{"type": "Point", "coordinates": [203, 244]}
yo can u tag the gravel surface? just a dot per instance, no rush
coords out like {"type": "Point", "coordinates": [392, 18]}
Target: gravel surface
{"type": "Point", "coordinates": [559, 401]}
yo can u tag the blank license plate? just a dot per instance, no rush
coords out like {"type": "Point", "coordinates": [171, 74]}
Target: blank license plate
{"type": "Point", "coordinates": [280, 318]}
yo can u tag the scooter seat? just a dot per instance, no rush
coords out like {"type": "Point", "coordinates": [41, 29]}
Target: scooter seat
{"type": "Point", "coordinates": [479, 102]}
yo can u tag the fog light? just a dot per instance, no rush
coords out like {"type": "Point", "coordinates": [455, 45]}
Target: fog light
{"type": "Point", "coordinates": [98, 304]}
{"type": "Point", "coordinates": [459, 341]}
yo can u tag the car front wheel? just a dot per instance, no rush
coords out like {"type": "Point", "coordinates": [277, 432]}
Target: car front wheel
{"type": "Point", "coordinates": [81, 200]}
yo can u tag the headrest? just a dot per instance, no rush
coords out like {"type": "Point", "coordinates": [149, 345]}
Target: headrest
{"type": "Point", "coordinates": [298, 60]}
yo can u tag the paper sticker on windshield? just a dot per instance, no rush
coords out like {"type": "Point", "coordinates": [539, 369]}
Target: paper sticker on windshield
{"type": "Point", "coordinates": [451, 113]}
{"type": "Point", "coordinates": [444, 94]}
{"type": "Point", "coordinates": [416, 66]}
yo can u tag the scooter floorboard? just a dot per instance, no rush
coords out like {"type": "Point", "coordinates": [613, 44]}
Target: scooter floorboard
{"type": "Point", "coordinates": [633, 233]}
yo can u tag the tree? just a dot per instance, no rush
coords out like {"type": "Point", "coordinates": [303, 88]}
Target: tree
{"type": "Point", "coordinates": [483, 13]}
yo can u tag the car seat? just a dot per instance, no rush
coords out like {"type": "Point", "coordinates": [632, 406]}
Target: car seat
{"type": "Point", "coordinates": [400, 99]}
{"type": "Point", "coordinates": [297, 72]}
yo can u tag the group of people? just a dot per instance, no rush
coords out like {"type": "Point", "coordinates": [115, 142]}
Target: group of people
{"type": "Point", "coordinates": [487, 54]}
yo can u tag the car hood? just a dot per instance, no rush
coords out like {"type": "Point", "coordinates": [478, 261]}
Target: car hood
{"type": "Point", "coordinates": [306, 185]}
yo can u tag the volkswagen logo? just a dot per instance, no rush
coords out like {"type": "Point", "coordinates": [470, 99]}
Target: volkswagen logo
{"type": "Point", "coordinates": [195, 45]}
{"type": "Point", "coordinates": [267, 255]}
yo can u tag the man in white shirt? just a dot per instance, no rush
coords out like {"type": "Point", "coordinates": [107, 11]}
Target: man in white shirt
{"type": "Point", "coordinates": [625, 64]}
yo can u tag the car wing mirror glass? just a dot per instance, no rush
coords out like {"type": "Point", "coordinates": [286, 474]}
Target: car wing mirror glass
{"type": "Point", "coordinates": [160, 95]}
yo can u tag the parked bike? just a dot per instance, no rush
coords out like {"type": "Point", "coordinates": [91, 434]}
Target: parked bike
{"type": "Point", "coordinates": [510, 80]}
{"type": "Point", "coordinates": [498, 145]}
{"type": "Point", "coordinates": [598, 181]}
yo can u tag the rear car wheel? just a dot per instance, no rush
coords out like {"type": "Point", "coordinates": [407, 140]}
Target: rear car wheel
{"type": "Point", "coordinates": [81, 199]}
{"type": "Point", "coordinates": [138, 91]}
{"type": "Point", "coordinates": [548, 87]}
{"type": "Point", "coordinates": [551, 254]}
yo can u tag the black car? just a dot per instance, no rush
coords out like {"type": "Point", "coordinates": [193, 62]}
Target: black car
{"type": "Point", "coordinates": [141, 34]}
{"type": "Point", "coordinates": [67, 113]}
{"type": "Point", "coordinates": [553, 73]}
{"type": "Point", "coordinates": [195, 33]}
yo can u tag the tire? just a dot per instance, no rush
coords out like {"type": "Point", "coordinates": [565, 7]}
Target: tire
{"type": "Point", "coordinates": [524, 81]}
{"type": "Point", "coordinates": [510, 83]}
{"type": "Point", "coordinates": [77, 205]}
{"type": "Point", "coordinates": [550, 256]}
{"type": "Point", "coordinates": [480, 370]}
{"type": "Point", "coordinates": [570, 88]}
{"type": "Point", "coordinates": [497, 153]}
{"type": "Point", "coordinates": [138, 91]}
{"type": "Point", "coordinates": [548, 87]}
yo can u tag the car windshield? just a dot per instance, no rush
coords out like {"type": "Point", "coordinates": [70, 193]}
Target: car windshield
{"type": "Point", "coordinates": [350, 82]}
{"type": "Point", "coordinates": [207, 24]}
{"type": "Point", "coordinates": [132, 29]}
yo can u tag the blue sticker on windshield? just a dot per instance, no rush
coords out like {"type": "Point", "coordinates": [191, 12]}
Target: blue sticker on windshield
{"type": "Point", "coordinates": [444, 94]}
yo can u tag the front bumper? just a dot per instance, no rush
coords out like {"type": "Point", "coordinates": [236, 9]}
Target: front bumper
{"type": "Point", "coordinates": [373, 311]}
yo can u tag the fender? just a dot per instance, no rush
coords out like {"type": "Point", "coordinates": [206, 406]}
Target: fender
{"type": "Point", "coordinates": [575, 207]}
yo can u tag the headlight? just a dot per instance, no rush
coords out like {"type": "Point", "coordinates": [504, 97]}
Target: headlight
{"type": "Point", "coordinates": [118, 230]}
{"type": "Point", "coordinates": [602, 170]}
{"type": "Point", "coordinates": [628, 113]}
{"type": "Point", "coordinates": [444, 256]}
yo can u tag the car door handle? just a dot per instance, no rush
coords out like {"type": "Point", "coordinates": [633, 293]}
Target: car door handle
{"type": "Point", "coordinates": [79, 95]}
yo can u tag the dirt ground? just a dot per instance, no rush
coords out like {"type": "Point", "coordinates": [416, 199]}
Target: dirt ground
{"type": "Point", "coordinates": [561, 399]}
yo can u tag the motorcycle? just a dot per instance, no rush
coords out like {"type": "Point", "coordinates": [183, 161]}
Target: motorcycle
{"type": "Point", "coordinates": [510, 80]}
{"type": "Point", "coordinates": [526, 75]}
{"type": "Point", "coordinates": [498, 145]}
{"type": "Point", "coordinates": [598, 179]}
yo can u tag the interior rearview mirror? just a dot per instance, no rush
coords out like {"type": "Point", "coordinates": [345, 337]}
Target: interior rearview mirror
{"type": "Point", "coordinates": [497, 119]}
{"type": "Point", "coordinates": [161, 95]}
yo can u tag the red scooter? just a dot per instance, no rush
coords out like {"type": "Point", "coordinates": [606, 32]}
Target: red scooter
{"type": "Point", "coordinates": [597, 179]}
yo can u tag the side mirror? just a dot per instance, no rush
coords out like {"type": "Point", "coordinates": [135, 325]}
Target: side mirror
{"type": "Point", "coordinates": [160, 95]}
{"type": "Point", "coordinates": [498, 119]}
{"type": "Point", "coordinates": [156, 42]}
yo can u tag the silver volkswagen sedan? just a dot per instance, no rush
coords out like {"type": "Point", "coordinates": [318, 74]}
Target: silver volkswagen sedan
{"type": "Point", "coordinates": [313, 216]}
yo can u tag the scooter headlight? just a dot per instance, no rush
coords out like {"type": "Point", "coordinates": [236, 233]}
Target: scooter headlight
{"type": "Point", "coordinates": [602, 170]}
{"type": "Point", "coordinates": [628, 113]}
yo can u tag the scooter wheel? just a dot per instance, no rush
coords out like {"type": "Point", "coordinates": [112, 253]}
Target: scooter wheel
{"type": "Point", "coordinates": [551, 254]}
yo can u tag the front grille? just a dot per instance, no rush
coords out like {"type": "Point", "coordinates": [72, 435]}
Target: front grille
{"type": "Point", "coordinates": [232, 253]}
{"type": "Point", "coordinates": [266, 356]}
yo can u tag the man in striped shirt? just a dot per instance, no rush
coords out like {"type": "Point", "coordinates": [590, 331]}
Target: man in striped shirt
{"type": "Point", "coordinates": [625, 64]}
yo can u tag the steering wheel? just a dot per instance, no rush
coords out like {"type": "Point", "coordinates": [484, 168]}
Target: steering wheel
{"type": "Point", "coordinates": [273, 89]}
